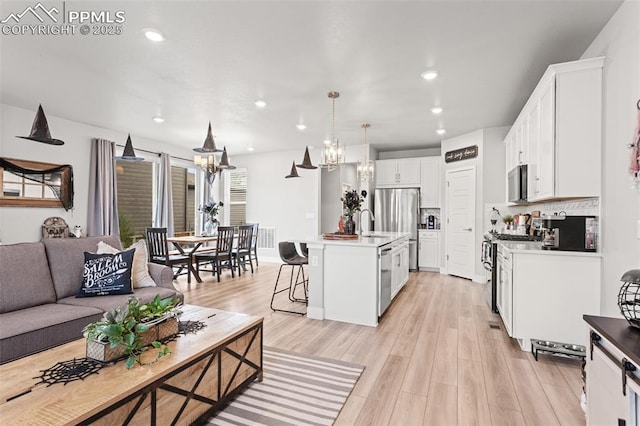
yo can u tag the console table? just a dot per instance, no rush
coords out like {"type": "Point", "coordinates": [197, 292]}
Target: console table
{"type": "Point", "coordinates": [203, 372]}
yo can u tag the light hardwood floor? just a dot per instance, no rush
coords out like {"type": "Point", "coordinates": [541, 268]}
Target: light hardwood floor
{"type": "Point", "coordinates": [432, 360]}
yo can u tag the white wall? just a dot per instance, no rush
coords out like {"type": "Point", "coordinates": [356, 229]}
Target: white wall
{"type": "Point", "coordinates": [409, 153]}
{"type": "Point", "coordinates": [619, 42]}
{"type": "Point", "coordinates": [490, 181]}
{"type": "Point", "coordinates": [19, 224]}
{"type": "Point", "coordinates": [289, 205]}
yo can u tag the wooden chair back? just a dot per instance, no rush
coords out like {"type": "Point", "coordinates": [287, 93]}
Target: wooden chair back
{"type": "Point", "coordinates": [157, 243]}
{"type": "Point", "coordinates": [245, 234]}
{"type": "Point", "coordinates": [224, 244]}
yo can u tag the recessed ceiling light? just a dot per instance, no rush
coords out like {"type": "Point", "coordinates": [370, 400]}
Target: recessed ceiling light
{"type": "Point", "coordinates": [158, 119]}
{"type": "Point", "coordinates": [441, 131]}
{"type": "Point", "coordinates": [260, 103]}
{"type": "Point", "coordinates": [429, 75]}
{"type": "Point", "coordinates": [154, 35]}
{"type": "Point", "coordinates": [301, 126]}
{"type": "Point", "coordinates": [251, 149]}
{"type": "Point", "coordinates": [436, 110]}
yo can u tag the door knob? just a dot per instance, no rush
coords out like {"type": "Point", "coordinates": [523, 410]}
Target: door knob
{"type": "Point", "coordinates": [467, 229]}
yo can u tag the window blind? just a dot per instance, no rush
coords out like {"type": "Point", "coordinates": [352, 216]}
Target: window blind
{"type": "Point", "coordinates": [237, 196]}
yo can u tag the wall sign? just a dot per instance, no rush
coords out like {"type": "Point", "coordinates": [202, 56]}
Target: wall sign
{"type": "Point", "coordinates": [461, 154]}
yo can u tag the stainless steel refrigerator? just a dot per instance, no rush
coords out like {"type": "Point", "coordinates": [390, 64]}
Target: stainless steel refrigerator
{"type": "Point", "coordinates": [398, 210]}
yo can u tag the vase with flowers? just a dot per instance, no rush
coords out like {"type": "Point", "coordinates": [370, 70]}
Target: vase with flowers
{"type": "Point", "coordinates": [351, 203]}
{"type": "Point", "coordinates": [211, 210]}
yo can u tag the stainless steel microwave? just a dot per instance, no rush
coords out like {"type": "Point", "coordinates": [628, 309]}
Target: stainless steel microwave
{"type": "Point", "coordinates": [517, 184]}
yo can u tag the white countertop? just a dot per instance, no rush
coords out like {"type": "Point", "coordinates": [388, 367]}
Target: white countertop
{"type": "Point", "coordinates": [376, 239]}
{"type": "Point", "coordinates": [534, 247]}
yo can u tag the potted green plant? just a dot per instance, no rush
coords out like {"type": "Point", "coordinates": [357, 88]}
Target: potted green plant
{"type": "Point", "coordinates": [351, 203]}
{"type": "Point", "coordinates": [508, 220]}
{"type": "Point", "coordinates": [130, 329]}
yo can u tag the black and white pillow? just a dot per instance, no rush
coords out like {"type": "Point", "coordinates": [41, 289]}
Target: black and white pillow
{"type": "Point", "coordinates": [106, 274]}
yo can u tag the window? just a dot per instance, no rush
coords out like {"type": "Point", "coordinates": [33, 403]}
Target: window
{"type": "Point", "coordinates": [135, 196]}
{"type": "Point", "coordinates": [183, 187]}
{"type": "Point", "coordinates": [237, 196]}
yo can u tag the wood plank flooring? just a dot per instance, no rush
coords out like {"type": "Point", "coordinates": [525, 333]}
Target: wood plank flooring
{"type": "Point", "coordinates": [433, 359]}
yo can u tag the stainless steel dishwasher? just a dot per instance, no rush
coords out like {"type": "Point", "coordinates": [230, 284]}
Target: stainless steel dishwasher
{"type": "Point", "coordinates": [384, 279]}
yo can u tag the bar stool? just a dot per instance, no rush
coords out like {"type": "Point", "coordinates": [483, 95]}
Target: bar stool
{"type": "Point", "coordinates": [290, 257]}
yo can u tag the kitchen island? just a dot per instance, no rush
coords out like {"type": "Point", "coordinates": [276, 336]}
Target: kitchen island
{"type": "Point", "coordinates": [354, 281]}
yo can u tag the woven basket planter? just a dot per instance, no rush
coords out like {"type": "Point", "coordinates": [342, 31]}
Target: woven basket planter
{"type": "Point", "coordinates": [102, 351]}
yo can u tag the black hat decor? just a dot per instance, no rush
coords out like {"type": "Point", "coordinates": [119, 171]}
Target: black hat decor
{"type": "Point", "coordinates": [128, 154]}
{"type": "Point", "coordinates": [306, 162]}
{"type": "Point", "coordinates": [209, 144]}
{"type": "Point", "coordinates": [40, 130]}
{"type": "Point", "coordinates": [224, 161]}
{"type": "Point", "coordinates": [294, 171]}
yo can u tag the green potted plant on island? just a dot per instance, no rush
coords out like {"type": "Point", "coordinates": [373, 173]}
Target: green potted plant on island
{"type": "Point", "coordinates": [351, 203]}
{"type": "Point", "coordinates": [130, 329]}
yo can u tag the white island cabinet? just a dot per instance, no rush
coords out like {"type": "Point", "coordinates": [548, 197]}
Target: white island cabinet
{"type": "Point", "coordinates": [354, 281]}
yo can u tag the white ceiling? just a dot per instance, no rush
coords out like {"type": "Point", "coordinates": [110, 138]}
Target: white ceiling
{"type": "Point", "coordinates": [219, 57]}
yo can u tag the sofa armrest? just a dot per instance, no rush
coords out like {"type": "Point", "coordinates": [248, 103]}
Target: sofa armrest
{"type": "Point", "coordinates": [162, 275]}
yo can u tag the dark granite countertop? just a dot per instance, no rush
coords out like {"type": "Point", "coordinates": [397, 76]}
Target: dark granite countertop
{"type": "Point", "coordinates": [620, 333]}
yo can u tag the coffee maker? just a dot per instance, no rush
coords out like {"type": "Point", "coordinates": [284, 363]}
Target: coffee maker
{"type": "Point", "coordinates": [570, 233]}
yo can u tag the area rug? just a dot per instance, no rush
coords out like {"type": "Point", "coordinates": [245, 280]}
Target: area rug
{"type": "Point", "coordinates": [297, 389]}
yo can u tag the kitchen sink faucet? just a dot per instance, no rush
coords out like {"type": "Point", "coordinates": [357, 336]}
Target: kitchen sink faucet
{"type": "Point", "coordinates": [370, 214]}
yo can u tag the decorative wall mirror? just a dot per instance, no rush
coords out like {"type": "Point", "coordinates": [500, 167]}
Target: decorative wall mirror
{"type": "Point", "coordinates": [25, 183]}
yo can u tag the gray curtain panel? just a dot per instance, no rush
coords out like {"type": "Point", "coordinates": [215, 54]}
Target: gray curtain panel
{"type": "Point", "coordinates": [103, 200]}
{"type": "Point", "coordinates": [164, 208]}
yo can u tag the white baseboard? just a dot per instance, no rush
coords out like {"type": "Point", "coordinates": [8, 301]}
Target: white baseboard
{"type": "Point", "coordinates": [482, 279]}
{"type": "Point", "coordinates": [314, 312]}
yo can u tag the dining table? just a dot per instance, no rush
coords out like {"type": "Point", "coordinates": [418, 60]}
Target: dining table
{"type": "Point", "coordinates": [195, 241]}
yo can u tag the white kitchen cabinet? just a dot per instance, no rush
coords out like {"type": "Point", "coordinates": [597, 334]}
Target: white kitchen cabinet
{"type": "Point", "coordinates": [430, 182]}
{"type": "Point", "coordinates": [549, 292]}
{"type": "Point", "coordinates": [429, 250]}
{"type": "Point", "coordinates": [504, 290]}
{"type": "Point", "coordinates": [399, 267]}
{"type": "Point", "coordinates": [400, 173]}
{"type": "Point", "coordinates": [558, 133]}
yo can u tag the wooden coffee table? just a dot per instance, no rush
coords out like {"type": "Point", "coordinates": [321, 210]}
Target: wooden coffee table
{"type": "Point", "coordinates": [203, 371]}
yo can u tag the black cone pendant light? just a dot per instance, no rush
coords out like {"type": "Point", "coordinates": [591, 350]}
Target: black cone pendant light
{"type": "Point", "coordinates": [294, 171]}
{"type": "Point", "coordinates": [128, 154]}
{"type": "Point", "coordinates": [306, 162]}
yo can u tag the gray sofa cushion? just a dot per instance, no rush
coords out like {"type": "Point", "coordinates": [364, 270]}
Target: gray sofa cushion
{"type": "Point", "coordinates": [105, 303]}
{"type": "Point", "coordinates": [66, 260]}
{"type": "Point", "coordinates": [41, 327]}
{"type": "Point", "coordinates": [25, 280]}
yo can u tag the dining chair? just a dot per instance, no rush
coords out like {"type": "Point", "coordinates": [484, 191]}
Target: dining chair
{"type": "Point", "coordinates": [243, 247]}
{"type": "Point", "coordinates": [158, 248]}
{"type": "Point", "coordinates": [254, 241]}
{"type": "Point", "coordinates": [222, 256]}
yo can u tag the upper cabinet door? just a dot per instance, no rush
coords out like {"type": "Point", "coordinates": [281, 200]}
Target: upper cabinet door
{"type": "Point", "coordinates": [545, 176]}
{"type": "Point", "coordinates": [409, 172]}
{"type": "Point", "coordinates": [533, 151]}
{"type": "Point", "coordinates": [386, 173]}
{"type": "Point", "coordinates": [430, 182]}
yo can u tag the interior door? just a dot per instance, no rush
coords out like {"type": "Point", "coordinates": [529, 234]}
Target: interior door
{"type": "Point", "coordinates": [461, 217]}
